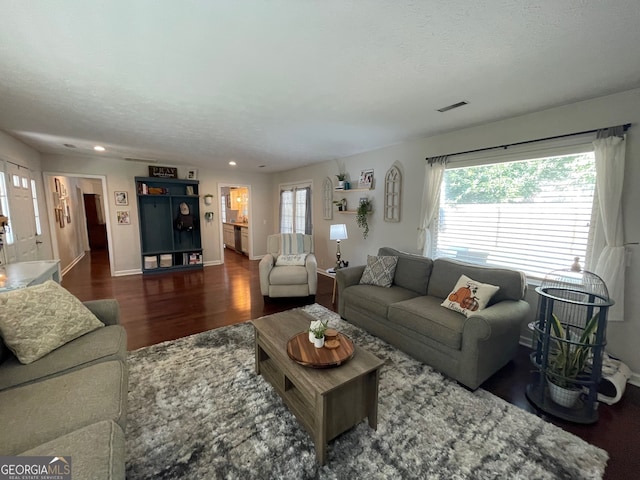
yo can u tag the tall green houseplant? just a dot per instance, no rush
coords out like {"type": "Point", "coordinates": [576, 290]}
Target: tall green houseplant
{"type": "Point", "coordinates": [568, 358]}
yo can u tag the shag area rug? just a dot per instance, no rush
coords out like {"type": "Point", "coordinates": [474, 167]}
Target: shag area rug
{"type": "Point", "coordinates": [198, 410]}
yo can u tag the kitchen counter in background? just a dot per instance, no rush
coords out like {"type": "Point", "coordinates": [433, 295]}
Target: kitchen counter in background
{"type": "Point", "coordinates": [236, 236]}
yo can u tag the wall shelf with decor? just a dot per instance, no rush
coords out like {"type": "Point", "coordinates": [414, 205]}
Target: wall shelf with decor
{"type": "Point", "coordinates": [353, 190]}
{"type": "Point", "coordinates": [169, 216]}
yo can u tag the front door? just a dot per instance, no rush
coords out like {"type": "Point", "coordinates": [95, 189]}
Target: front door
{"type": "Point", "coordinates": [22, 216]}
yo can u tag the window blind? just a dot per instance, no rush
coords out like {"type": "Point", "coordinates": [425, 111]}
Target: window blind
{"type": "Point", "coordinates": [491, 215]}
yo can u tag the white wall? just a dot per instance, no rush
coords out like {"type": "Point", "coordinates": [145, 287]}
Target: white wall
{"type": "Point", "coordinates": [17, 152]}
{"type": "Point", "coordinates": [592, 114]}
{"type": "Point", "coordinates": [126, 238]}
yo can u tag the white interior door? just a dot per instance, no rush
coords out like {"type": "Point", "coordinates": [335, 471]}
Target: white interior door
{"type": "Point", "coordinates": [22, 216]}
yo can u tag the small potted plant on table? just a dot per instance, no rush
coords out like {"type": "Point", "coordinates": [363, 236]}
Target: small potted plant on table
{"type": "Point", "coordinates": [317, 330]}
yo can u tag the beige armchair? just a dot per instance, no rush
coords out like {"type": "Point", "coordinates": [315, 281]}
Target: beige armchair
{"type": "Point", "coordinates": [297, 277]}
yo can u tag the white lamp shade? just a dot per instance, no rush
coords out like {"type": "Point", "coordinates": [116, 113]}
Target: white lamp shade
{"type": "Point", "coordinates": [338, 232]}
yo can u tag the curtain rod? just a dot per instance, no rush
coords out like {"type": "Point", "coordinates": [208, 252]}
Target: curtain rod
{"type": "Point", "coordinates": [625, 126]}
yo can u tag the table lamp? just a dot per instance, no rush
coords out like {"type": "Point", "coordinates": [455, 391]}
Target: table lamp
{"type": "Point", "coordinates": [338, 232]}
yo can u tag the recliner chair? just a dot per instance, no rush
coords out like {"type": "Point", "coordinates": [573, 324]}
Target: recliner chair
{"type": "Point", "coordinates": [297, 276]}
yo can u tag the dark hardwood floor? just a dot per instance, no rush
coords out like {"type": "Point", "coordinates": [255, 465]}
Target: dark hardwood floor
{"type": "Point", "coordinates": [163, 307]}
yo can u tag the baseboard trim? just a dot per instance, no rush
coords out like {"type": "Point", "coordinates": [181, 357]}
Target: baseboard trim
{"type": "Point", "coordinates": [124, 273]}
{"type": "Point", "coordinates": [525, 341]}
{"type": "Point", "coordinates": [212, 263]}
{"type": "Point", "coordinates": [72, 264]}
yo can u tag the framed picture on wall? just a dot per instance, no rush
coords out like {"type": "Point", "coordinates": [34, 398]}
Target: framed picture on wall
{"type": "Point", "coordinates": [123, 217]}
{"type": "Point", "coordinates": [122, 198]}
{"type": "Point", "coordinates": [60, 217]}
{"type": "Point", "coordinates": [192, 174]}
{"type": "Point", "coordinates": [366, 179]}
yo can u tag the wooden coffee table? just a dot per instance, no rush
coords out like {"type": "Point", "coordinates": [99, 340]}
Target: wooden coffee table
{"type": "Point", "coordinates": [326, 402]}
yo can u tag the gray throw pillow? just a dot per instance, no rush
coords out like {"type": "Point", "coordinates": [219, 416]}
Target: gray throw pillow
{"type": "Point", "coordinates": [379, 271]}
{"type": "Point", "coordinates": [36, 320]}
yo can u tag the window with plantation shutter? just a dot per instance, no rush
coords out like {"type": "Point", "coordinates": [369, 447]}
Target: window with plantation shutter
{"type": "Point", "coordinates": [533, 215]}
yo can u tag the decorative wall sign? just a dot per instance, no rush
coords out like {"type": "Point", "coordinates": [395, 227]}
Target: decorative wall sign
{"type": "Point", "coordinates": [392, 194]}
{"type": "Point", "coordinates": [327, 190]}
{"type": "Point", "coordinates": [192, 174]}
{"type": "Point", "coordinates": [163, 172]}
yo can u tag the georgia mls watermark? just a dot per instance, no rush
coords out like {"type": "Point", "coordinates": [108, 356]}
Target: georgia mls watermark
{"type": "Point", "coordinates": [35, 468]}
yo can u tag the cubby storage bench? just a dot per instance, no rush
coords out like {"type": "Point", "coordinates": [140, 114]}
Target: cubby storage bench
{"type": "Point", "coordinates": [169, 213]}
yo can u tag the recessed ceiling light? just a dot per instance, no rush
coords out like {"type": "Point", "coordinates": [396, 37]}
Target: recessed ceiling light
{"type": "Point", "coordinates": [232, 163]}
{"type": "Point", "coordinates": [99, 148]}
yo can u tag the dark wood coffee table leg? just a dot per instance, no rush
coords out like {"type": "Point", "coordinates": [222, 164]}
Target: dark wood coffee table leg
{"type": "Point", "coordinates": [373, 380]}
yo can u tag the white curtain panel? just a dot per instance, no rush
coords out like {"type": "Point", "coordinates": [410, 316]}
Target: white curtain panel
{"type": "Point", "coordinates": [430, 202]}
{"type": "Point", "coordinates": [610, 265]}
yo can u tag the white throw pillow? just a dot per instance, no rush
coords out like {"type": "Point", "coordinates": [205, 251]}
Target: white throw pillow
{"type": "Point", "coordinates": [36, 320]}
{"type": "Point", "coordinates": [469, 296]}
{"type": "Point", "coordinates": [297, 259]}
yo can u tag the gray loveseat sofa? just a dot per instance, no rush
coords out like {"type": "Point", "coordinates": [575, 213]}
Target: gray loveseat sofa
{"type": "Point", "coordinates": [409, 316]}
{"type": "Point", "coordinates": [71, 402]}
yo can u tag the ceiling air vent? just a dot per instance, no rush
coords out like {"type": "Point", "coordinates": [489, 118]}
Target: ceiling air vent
{"type": "Point", "coordinates": [451, 107]}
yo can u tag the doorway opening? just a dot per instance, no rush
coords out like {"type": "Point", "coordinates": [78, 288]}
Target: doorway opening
{"type": "Point", "coordinates": [235, 219]}
{"type": "Point", "coordinates": [85, 227]}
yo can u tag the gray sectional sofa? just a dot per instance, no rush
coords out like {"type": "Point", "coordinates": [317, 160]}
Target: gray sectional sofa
{"type": "Point", "coordinates": [71, 402]}
{"type": "Point", "coordinates": [409, 314]}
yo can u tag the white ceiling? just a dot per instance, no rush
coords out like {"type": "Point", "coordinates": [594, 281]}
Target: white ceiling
{"type": "Point", "coordinates": [283, 83]}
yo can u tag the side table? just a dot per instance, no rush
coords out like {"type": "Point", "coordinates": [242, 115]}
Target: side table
{"type": "Point", "coordinates": [24, 274]}
{"type": "Point", "coordinates": [332, 273]}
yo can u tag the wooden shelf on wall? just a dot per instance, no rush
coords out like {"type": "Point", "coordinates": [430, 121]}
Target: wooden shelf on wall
{"type": "Point", "coordinates": [352, 211]}
{"type": "Point", "coordinates": [354, 190]}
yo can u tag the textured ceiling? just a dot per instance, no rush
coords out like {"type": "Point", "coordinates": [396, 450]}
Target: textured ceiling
{"type": "Point", "coordinates": [283, 83]}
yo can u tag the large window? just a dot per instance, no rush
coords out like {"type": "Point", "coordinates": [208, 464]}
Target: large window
{"type": "Point", "coordinates": [295, 210]}
{"type": "Point", "coordinates": [533, 215]}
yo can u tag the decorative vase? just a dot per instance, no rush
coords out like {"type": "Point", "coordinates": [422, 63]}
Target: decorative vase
{"type": "Point", "coordinates": [340, 183]}
{"type": "Point", "coordinates": [565, 397]}
{"type": "Point", "coordinates": [318, 342]}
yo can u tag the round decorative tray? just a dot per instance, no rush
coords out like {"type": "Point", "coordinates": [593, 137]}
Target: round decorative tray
{"type": "Point", "coordinates": [302, 351]}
